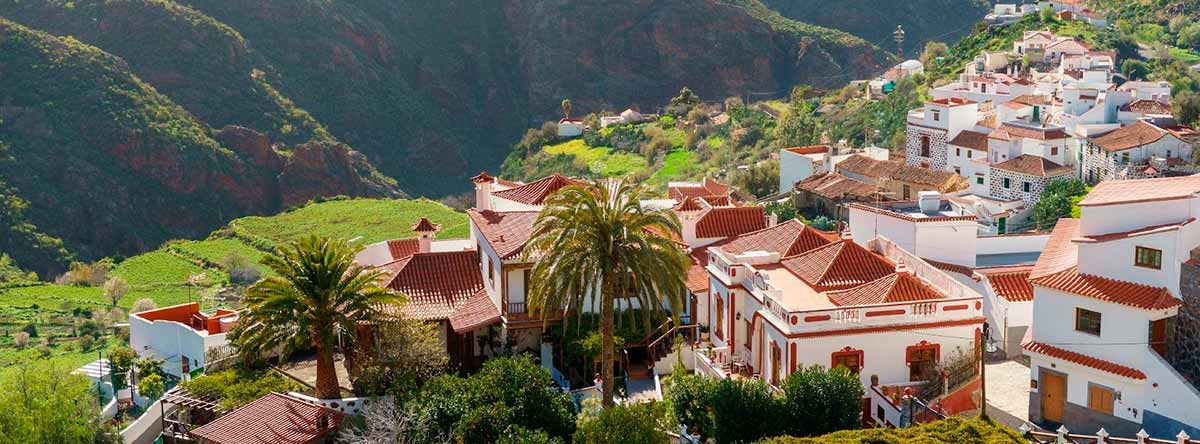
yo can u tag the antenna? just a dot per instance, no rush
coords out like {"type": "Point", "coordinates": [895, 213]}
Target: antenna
{"type": "Point", "coordinates": [898, 35]}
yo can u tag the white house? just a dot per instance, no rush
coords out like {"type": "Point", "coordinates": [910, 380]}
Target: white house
{"type": "Point", "coordinates": [1136, 151]}
{"type": "Point", "coordinates": [931, 127]}
{"type": "Point", "coordinates": [1115, 312]}
{"type": "Point", "coordinates": [799, 163]}
{"type": "Point", "coordinates": [570, 127]}
{"type": "Point", "coordinates": [180, 335]}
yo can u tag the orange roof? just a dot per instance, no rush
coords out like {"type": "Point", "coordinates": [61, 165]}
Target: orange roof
{"type": "Point", "coordinates": [1038, 133]}
{"type": "Point", "coordinates": [1138, 134]}
{"type": "Point", "coordinates": [402, 248]}
{"type": "Point", "coordinates": [786, 238]}
{"type": "Point", "coordinates": [478, 311]}
{"type": "Point", "coordinates": [1112, 192]}
{"type": "Point", "coordinates": [707, 187]}
{"type": "Point", "coordinates": [1145, 106]}
{"type": "Point", "coordinates": [1133, 233]}
{"type": "Point", "coordinates": [838, 265]}
{"type": "Point", "coordinates": [1059, 253]}
{"type": "Point", "coordinates": [899, 171]}
{"type": "Point", "coordinates": [275, 418]}
{"type": "Point", "coordinates": [971, 140]}
{"type": "Point", "coordinates": [1084, 360]}
{"type": "Point", "coordinates": [482, 177]}
{"type": "Point", "coordinates": [953, 268]}
{"type": "Point", "coordinates": [535, 193]}
{"type": "Point", "coordinates": [814, 149]}
{"type": "Point", "coordinates": [1011, 283]}
{"type": "Point", "coordinates": [835, 186]}
{"type": "Point", "coordinates": [730, 221]}
{"type": "Point", "coordinates": [1108, 290]}
{"type": "Point", "coordinates": [690, 203]}
{"type": "Point", "coordinates": [506, 232]}
{"type": "Point", "coordinates": [425, 226]}
{"type": "Point", "coordinates": [1033, 166]}
{"type": "Point", "coordinates": [896, 287]}
{"type": "Point", "coordinates": [951, 101]}
{"type": "Point", "coordinates": [435, 284]}
{"type": "Point", "coordinates": [697, 277]}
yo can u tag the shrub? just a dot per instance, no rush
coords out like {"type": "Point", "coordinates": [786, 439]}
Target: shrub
{"type": "Point", "coordinates": [121, 359]}
{"type": "Point", "coordinates": [239, 387]}
{"type": "Point", "coordinates": [151, 386]}
{"type": "Point", "coordinates": [637, 423]}
{"type": "Point", "coordinates": [30, 329]}
{"type": "Point", "coordinates": [690, 397]}
{"type": "Point", "coordinates": [521, 435]}
{"type": "Point", "coordinates": [90, 328]}
{"type": "Point", "coordinates": [21, 339]}
{"type": "Point", "coordinates": [409, 353]}
{"type": "Point", "coordinates": [144, 304]}
{"type": "Point", "coordinates": [86, 343]}
{"type": "Point", "coordinates": [818, 401]}
{"type": "Point", "coordinates": [731, 399]}
{"type": "Point", "coordinates": [241, 270]}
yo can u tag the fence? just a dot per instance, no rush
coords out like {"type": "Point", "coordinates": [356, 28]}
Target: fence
{"type": "Point", "coordinates": [1064, 436]}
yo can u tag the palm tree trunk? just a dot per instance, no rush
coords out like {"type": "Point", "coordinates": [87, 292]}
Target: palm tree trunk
{"type": "Point", "coordinates": [606, 342]}
{"type": "Point", "coordinates": [327, 382]}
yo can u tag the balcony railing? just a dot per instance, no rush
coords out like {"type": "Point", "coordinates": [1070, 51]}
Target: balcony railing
{"type": "Point", "coordinates": [516, 307]}
{"type": "Point", "coordinates": [870, 315]}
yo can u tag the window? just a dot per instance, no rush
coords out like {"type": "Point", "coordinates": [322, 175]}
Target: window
{"type": "Point", "coordinates": [979, 180]}
{"type": "Point", "coordinates": [924, 146]}
{"type": "Point", "coordinates": [1168, 154]}
{"type": "Point", "coordinates": [1007, 183]}
{"type": "Point", "coordinates": [958, 170]}
{"type": "Point", "coordinates": [719, 319]}
{"type": "Point", "coordinates": [1147, 257]}
{"type": "Point", "coordinates": [958, 152]}
{"type": "Point", "coordinates": [1124, 157]}
{"type": "Point", "coordinates": [1100, 398]}
{"type": "Point", "coordinates": [1026, 186]}
{"type": "Point", "coordinates": [1087, 321]}
{"type": "Point", "coordinates": [1053, 151]}
{"type": "Point", "coordinates": [937, 115]}
{"type": "Point", "coordinates": [749, 334]}
{"type": "Point", "coordinates": [849, 358]}
{"type": "Point", "coordinates": [968, 154]}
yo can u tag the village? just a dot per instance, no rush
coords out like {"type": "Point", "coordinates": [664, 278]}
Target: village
{"type": "Point", "coordinates": [1029, 254]}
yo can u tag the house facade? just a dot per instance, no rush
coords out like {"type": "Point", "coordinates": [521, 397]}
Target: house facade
{"type": "Point", "coordinates": [180, 335]}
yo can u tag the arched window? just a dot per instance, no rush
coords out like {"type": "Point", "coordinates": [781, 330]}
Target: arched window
{"type": "Point", "coordinates": [924, 146]}
{"type": "Point", "coordinates": [719, 320]}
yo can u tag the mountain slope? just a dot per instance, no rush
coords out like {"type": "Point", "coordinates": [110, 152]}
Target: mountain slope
{"type": "Point", "coordinates": [109, 165]}
{"type": "Point", "coordinates": [874, 20]}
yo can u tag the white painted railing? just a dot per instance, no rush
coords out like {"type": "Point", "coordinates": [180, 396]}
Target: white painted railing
{"type": "Point", "coordinates": [713, 366]}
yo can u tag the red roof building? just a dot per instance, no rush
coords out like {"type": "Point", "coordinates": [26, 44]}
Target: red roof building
{"type": "Point", "coordinates": [275, 419]}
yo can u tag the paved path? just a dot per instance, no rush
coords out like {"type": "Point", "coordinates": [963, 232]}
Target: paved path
{"type": "Point", "coordinates": [641, 390]}
{"type": "Point", "coordinates": [1008, 392]}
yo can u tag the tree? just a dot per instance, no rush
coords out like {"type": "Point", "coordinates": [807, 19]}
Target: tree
{"type": "Point", "coordinates": [933, 50]}
{"type": "Point", "coordinates": [1134, 69]}
{"type": "Point", "coordinates": [1189, 37]}
{"type": "Point", "coordinates": [115, 289]}
{"type": "Point", "coordinates": [241, 270]}
{"type": "Point", "coordinates": [799, 126]}
{"type": "Point", "coordinates": [1057, 201]}
{"type": "Point", "coordinates": [820, 401]}
{"type": "Point", "coordinates": [121, 359]}
{"type": "Point", "coordinates": [683, 102]}
{"type": "Point", "coordinates": [144, 304]}
{"type": "Point", "coordinates": [566, 108]}
{"type": "Point", "coordinates": [761, 179]}
{"type": "Point", "coordinates": [599, 245]}
{"type": "Point", "coordinates": [90, 328]}
{"type": "Point", "coordinates": [691, 402]}
{"type": "Point", "coordinates": [21, 339]}
{"type": "Point", "coordinates": [151, 386]}
{"type": "Point", "coordinates": [634, 423]}
{"type": "Point", "coordinates": [409, 353]}
{"type": "Point", "coordinates": [697, 116]}
{"type": "Point", "coordinates": [731, 399]}
{"type": "Point", "coordinates": [386, 423]}
{"type": "Point", "coordinates": [317, 295]}
{"type": "Point", "coordinates": [1186, 106]}
{"type": "Point", "coordinates": [43, 402]}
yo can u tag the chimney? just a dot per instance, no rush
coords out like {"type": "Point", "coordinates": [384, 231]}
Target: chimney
{"type": "Point", "coordinates": [425, 231]}
{"type": "Point", "coordinates": [323, 421]}
{"type": "Point", "coordinates": [690, 212]}
{"type": "Point", "coordinates": [483, 191]}
{"type": "Point", "coordinates": [772, 219]}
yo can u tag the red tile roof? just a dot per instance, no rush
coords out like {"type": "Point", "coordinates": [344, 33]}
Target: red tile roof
{"type": "Point", "coordinates": [1133, 233]}
{"type": "Point", "coordinates": [506, 232]}
{"type": "Point", "coordinates": [730, 221]}
{"type": "Point", "coordinates": [424, 225]}
{"type": "Point", "coordinates": [1112, 192]}
{"type": "Point", "coordinates": [275, 419]}
{"type": "Point", "coordinates": [1137, 134]}
{"type": "Point", "coordinates": [786, 238]}
{"type": "Point", "coordinates": [707, 187]}
{"type": "Point", "coordinates": [1059, 253]}
{"type": "Point", "coordinates": [835, 186]}
{"type": "Point", "coordinates": [690, 203]}
{"type": "Point", "coordinates": [1084, 360]}
{"type": "Point", "coordinates": [971, 140]}
{"type": "Point", "coordinates": [435, 284]}
{"type": "Point", "coordinates": [478, 311]}
{"type": "Point", "coordinates": [1108, 290]}
{"type": "Point", "coordinates": [482, 177]}
{"type": "Point", "coordinates": [896, 287]}
{"type": "Point", "coordinates": [535, 193]}
{"type": "Point", "coordinates": [697, 277]}
{"type": "Point", "coordinates": [814, 149]}
{"type": "Point", "coordinates": [899, 171]}
{"type": "Point", "coordinates": [1145, 106]}
{"type": "Point", "coordinates": [952, 268]}
{"type": "Point", "coordinates": [1037, 133]}
{"type": "Point", "coordinates": [1031, 165]}
{"type": "Point", "coordinates": [402, 248]}
{"type": "Point", "coordinates": [1011, 283]}
{"type": "Point", "coordinates": [838, 265]}
{"type": "Point", "coordinates": [952, 101]}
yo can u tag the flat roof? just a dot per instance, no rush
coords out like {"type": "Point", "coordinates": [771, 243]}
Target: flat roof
{"type": "Point", "coordinates": [999, 260]}
{"type": "Point", "coordinates": [797, 295]}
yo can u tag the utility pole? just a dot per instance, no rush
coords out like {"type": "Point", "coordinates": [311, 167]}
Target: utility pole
{"type": "Point", "coordinates": [983, 371]}
{"type": "Point", "coordinates": [898, 35]}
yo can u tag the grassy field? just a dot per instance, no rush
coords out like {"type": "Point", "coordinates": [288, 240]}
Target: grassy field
{"type": "Point", "coordinates": [599, 160]}
{"type": "Point", "coordinates": [1185, 55]}
{"type": "Point", "coordinates": [365, 220]}
{"type": "Point", "coordinates": [677, 164]}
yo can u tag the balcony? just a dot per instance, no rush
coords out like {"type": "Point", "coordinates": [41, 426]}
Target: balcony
{"type": "Point", "coordinates": [802, 321]}
{"type": "Point", "coordinates": [516, 308]}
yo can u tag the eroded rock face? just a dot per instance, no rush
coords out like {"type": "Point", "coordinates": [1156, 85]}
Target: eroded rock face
{"type": "Point", "coordinates": [329, 169]}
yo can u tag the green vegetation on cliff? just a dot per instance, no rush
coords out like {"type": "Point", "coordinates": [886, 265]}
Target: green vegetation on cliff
{"type": "Point", "coordinates": [947, 431]}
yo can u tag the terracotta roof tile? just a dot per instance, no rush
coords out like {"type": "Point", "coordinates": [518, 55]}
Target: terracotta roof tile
{"type": "Point", "coordinates": [1059, 253]}
{"type": "Point", "coordinates": [835, 186]}
{"type": "Point", "coordinates": [535, 193]}
{"type": "Point", "coordinates": [435, 284]}
{"type": "Point", "coordinates": [1037, 133]}
{"type": "Point", "coordinates": [1133, 233]}
{"type": "Point", "coordinates": [1112, 192]}
{"type": "Point", "coordinates": [1137, 134]}
{"type": "Point", "coordinates": [707, 187]}
{"type": "Point", "coordinates": [1031, 100]}
{"type": "Point", "coordinates": [1033, 166]}
{"type": "Point", "coordinates": [971, 140]}
{"type": "Point", "coordinates": [690, 203]}
{"type": "Point", "coordinates": [896, 287]}
{"type": "Point", "coordinates": [274, 418]}
{"type": "Point", "coordinates": [899, 171]}
{"type": "Point", "coordinates": [952, 101]}
{"type": "Point", "coordinates": [482, 177]}
{"type": "Point", "coordinates": [730, 221]}
{"type": "Point", "coordinates": [787, 239]}
{"type": "Point", "coordinates": [1011, 284]}
{"type": "Point", "coordinates": [1108, 290]}
{"type": "Point", "coordinates": [1084, 360]}
{"type": "Point", "coordinates": [952, 268]}
{"type": "Point", "coordinates": [838, 265]}
{"type": "Point", "coordinates": [402, 248]}
{"type": "Point", "coordinates": [814, 149]}
{"type": "Point", "coordinates": [1145, 106]}
{"type": "Point", "coordinates": [697, 277]}
{"type": "Point", "coordinates": [424, 225]}
{"type": "Point", "coordinates": [506, 232]}
{"type": "Point", "coordinates": [478, 311]}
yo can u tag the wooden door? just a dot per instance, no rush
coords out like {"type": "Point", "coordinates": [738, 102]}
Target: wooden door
{"type": "Point", "coordinates": [1158, 336]}
{"type": "Point", "coordinates": [1054, 396]}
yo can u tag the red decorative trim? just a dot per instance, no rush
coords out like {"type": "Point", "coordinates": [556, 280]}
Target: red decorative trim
{"type": "Point", "coordinates": [955, 307]}
{"type": "Point", "coordinates": [923, 345]}
{"type": "Point", "coordinates": [817, 318]}
{"type": "Point", "coordinates": [795, 320]}
{"type": "Point", "coordinates": [884, 328]}
{"type": "Point", "coordinates": [979, 305]}
{"type": "Point", "coordinates": [792, 356]}
{"type": "Point", "coordinates": [871, 314]}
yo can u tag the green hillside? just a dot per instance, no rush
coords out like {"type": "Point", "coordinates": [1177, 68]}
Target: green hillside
{"type": "Point", "coordinates": [948, 431]}
{"type": "Point", "coordinates": [874, 21]}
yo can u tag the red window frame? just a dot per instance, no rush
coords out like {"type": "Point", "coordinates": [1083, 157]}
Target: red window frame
{"type": "Point", "coordinates": [845, 352]}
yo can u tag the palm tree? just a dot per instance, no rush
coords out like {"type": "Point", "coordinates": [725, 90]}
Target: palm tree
{"type": "Point", "coordinates": [566, 107]}
{"type": "Point", "coordinates": [596, 239]}
{"type": "Point", "coordinates": [318, 293]}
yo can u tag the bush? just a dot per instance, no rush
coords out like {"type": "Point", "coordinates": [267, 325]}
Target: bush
{"type": "Point", "coordinates": [732, 399]}
{"type": "Point", "coordinates": [121, 359]}
{"type": "Point", "coordinates": [1057, 201]}
{"type": "Point", "coordinates": [239, 387]}
{"type": "Point", "coordinates": [151, 386]}
{"type": "Point", "coordinates": [30, 329]}
{"type": "Point", "coordinates": [638, 423]}
{"type": "Point", "coordinates": [90, 328]}
{"type": "Point", "coordinates": [818, 401]}
{"type": "Point", "coordinates": [21, 339]}
{"type": "Point", "coordinates": [521, 435]}
{"type": "Point", "coordinates": [241, 270]}
{"type": "Point", "coordinates": [690, 397]}
{"type": "Point", "coordinates": [409, 353]}
{"type": "Point", "coordinates": [144, 304]}
{"type": "Point", "coordinates": [86, 343]}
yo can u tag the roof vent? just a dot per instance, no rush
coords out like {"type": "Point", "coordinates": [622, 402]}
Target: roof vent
{"type": "Point", "coordinates": [929, 201]}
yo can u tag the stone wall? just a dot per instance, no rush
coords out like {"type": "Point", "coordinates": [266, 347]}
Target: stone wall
{"type": "Point", "coordinates": [937, 147]}
{"type": "Point", "coordinates": [1016, 188]}
{"type": "Point", "coordinates": [1183, 349]}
